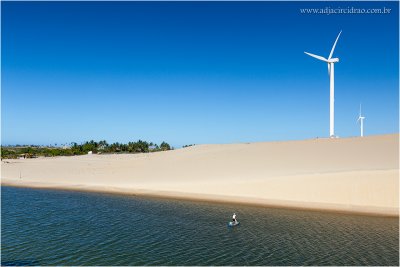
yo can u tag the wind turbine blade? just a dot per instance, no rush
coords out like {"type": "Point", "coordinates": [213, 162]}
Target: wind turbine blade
{"type": "Point", "coordinates": [317, 57]}
{"type": "Point", "coordinates": [334, 45]}
{"type": "Point", "coordinates": [329, 69]}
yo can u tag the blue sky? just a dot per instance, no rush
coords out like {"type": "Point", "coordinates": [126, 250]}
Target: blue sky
{"type": "Point", "coordinates": [193, 72]}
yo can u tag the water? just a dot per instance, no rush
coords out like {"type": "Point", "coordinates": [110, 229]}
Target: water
{"type": "Point", "coordinates": [45, 227]}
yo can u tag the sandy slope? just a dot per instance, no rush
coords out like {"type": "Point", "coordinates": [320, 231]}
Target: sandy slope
{"type": "Point", "coordinates": [349, 174]}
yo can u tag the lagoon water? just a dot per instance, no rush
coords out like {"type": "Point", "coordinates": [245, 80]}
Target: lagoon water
{"type": "Point", "coordinates": [49, 227]}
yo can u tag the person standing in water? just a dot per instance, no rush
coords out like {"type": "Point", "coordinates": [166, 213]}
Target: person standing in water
{"type": "Point", "coordinates": [234, 218]}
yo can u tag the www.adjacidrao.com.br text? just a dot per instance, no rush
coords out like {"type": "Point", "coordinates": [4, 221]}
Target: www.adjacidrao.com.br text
{"type": "Point", "coordinates": [347, 10]}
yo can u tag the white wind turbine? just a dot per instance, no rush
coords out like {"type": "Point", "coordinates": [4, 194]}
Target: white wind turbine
{"type": "Point", "coordinates": [331, 61]}
{"type": "Point", "coordinates": [361, 120]}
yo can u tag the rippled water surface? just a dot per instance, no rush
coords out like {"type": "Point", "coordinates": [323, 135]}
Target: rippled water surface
{"type": "Point", "coordinates": [44, 227]}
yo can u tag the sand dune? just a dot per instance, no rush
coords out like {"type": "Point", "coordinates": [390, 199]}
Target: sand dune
{"type": "Point", "coordinates": [346, 174]}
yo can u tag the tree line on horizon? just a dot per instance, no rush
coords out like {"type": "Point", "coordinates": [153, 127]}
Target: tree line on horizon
{"type": "Point", "coordinates": [32, 151]}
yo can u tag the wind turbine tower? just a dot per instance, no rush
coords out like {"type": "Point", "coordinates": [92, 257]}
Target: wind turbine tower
{"type": "Point", "coordinates": [331, 72]}
{"type": "Point", "coordinates": [361, 120]}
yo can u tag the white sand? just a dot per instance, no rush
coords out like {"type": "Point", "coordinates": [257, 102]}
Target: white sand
{"type": "Point", "coordinates": [349, 174]}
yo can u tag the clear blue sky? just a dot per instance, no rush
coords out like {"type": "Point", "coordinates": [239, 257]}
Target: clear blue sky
{"type": "Point", "coordinates": [193, 72]}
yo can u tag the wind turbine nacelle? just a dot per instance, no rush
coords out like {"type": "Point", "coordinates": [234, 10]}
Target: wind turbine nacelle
{"type": "Point", "coordinates": [333, 60]}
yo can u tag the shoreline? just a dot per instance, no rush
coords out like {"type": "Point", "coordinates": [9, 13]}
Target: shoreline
{"type": "Point", "coordinates": [208, 198]}
{"type": "Point", "coordinates": [353, 175]}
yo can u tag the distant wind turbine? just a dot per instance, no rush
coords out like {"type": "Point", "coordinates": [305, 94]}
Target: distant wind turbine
{"type": "Point", "coordinates": [361, 120]}
{"type": "Point", "coordinates": [331, 61]}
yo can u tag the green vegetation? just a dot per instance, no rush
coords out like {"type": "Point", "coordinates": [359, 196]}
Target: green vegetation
{"type": "Point", "coordinates": [188, 145]}
{"type": "Point", "coordinates": [13, 152]}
